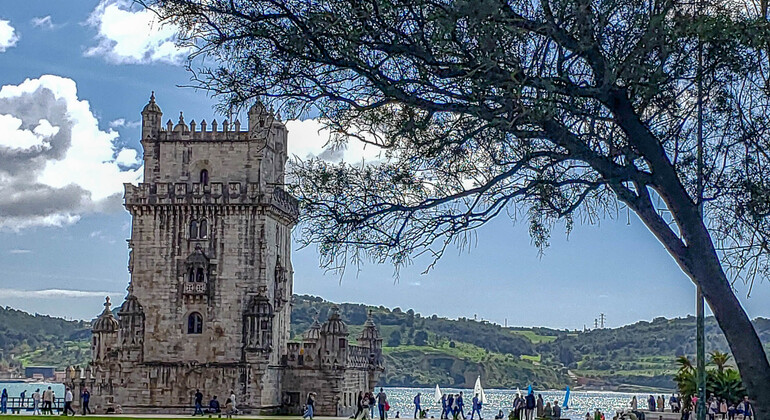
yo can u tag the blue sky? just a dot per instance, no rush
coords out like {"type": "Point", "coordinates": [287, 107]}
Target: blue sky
{"type": "Point", "coordinates": [75, 76]}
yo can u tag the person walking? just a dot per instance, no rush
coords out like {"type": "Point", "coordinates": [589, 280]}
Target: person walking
{"type": "Point", "coordinates": [359, 404]}
{"type": "Point", "coordinates": [198, 402]}
{"type": "Point", "coordinates": [529, 406]}
{"type": "Point", "coordinates": [68, 397]}
{"type": "Point", "coordinates": [309, 406]}
{"type": "Point", "coordinates": [86, 397]}
{"type": "Point", "coordinates": [48, 401]}
{"type": "Point", "coordinates": [372, 403]}
{"type": "Point", "coordinates": [365, 402]}
{"type": "Point", "coordinates": [476, 406]}
{"type": "Point", "coordinates": [634, 403]}
{"type": "Point", "coordinates": [443, 406]}
{"type": "Point", "coordinates": [36, 402]}
{"type": "Point", "coordinates": [382, 401]}
{"type": "Point", "coordinates": [229, 408]}
{"type": "Point", "coordinates": [4, 402]}
{"type": "Point", "coordinates": [232, 397]}
{"type": "Point", "coordinates": [417, 405]}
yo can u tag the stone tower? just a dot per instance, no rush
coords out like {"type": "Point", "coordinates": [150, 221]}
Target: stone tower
{"type": "Point", "coordinates": [208, 304]}
{"type": "Point", "coordinates": [210, 263]}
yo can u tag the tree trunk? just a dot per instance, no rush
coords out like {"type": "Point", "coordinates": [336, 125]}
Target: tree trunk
{"type": "Point", "coordinates": [749, 355]}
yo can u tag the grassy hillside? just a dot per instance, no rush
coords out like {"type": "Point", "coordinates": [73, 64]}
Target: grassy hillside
{"type": "Point", "coordinates": [424, 351]}
{"type": "Point", "coordinates": [27, 339]}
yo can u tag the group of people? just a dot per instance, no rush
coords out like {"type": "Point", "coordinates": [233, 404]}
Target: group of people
{"type": "Point", "coordinates": [214, 407]}
{"type": "Point", "coordinates": [367, 401]}
{"type": "Point", "coordinates": [717, 407]}
{"type": "Point", "coordinates": [524, 408]}
{"type": "Point", "coordinates": [453, 405]}
{"type": "Point", "coordinates": [43, 403]}
{"type": "Point", "coordinates": [714, 406]}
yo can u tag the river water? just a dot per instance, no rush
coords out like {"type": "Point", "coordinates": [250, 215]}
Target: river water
{"type": "Point", "coordinates": [580, 402]}
{"type": "Point", "coordinates": [400, 399]}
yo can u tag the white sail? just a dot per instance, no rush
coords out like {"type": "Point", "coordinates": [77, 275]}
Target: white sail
{"type": "Point", "coordinates": [478, 390]}
{"type": "Point", "coordinates": [438, 394]}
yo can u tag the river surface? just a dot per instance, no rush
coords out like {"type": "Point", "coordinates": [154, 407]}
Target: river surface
{"type": "Point", "coordinates": [401, 399]}
{"type": "Point", "coordinates": [580, 402]}
{"type": "Point", "coordinates": [15, 388]}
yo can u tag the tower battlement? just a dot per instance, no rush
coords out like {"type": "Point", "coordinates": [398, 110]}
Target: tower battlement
{"type": "Point", "coordinates": [215, 193]}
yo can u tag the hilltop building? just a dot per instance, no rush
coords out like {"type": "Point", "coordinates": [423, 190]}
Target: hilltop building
{"type": "Point", "coordinates": [209, 301]}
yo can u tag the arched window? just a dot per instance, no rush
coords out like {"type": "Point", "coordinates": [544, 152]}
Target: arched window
{"type": "Point", "coordinates": [191, 276]}
{"type": "Point", "coordinates": [205, 177]}
{"type": "Point", "coordinates": [204, 229]}
{"type": "Point", "coordinates": [193, 230]}
{"type": "Point", "coordinates": [199, 276]}
{"type": "Point", "coordinates": [194, 323]}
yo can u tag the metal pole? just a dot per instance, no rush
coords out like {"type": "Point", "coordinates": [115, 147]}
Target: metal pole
{"type": "Point", "coordinates": [701, 363]}
{"type": "Point", "coordinates": [700, 340]}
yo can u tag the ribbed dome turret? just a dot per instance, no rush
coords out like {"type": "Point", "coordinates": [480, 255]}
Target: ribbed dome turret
{"type": "Point", "coordinates": [152, 106]}
{"type": "Point", "coordinates": [334, 324]}
{"type": "Point", "coordinates": [313, 333]}
{"type": "Point", "coordinates": [131, 305]}
{"type": "Point", "coordinates": [181, 126]}
{"type": "Point", "coordinates": [370, 331]}
{"type": "Point", "coordinates": [106, 321]}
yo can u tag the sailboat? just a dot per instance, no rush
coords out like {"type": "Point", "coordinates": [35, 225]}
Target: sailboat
{"type": "Point", "coordinates": [565, 405]}
{"type": "Point", "coordinates": [478, 390]}
{"type": "Point", "coordinates": [438, 394]}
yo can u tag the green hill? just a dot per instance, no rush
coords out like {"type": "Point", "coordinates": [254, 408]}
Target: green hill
{"type": "Point", "coordinates": [424, 351]}
{"type": "Point", "coordinates": [27, 340]}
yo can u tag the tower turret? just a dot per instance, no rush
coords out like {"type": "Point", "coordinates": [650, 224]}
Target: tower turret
{"type": "Point", "coordinates": [131, 321]}
{"type": "Point", "coordinates": [334, 340]}
{"type": "Point", "coordinates": [151, 119]}
{"type": "Point", "coordinates": [104, 333]}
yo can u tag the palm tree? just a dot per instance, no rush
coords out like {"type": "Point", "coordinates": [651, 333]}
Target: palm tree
{"type": "Point", "coordinates": [684, 363]}
{"type": "Point", "coordinates": [719, 359]}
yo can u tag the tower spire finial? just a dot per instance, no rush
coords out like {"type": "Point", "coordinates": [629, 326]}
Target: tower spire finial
{"type": "Point", "coordinates": [152, 97]}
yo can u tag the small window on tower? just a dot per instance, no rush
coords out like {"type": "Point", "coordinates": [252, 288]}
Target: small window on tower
{"type": "Point", "coordinates": [193, 229]}
{"type": "Point", "coordinates": [199, 277]}
{"type": "Point", "coordinates": [204, 229]}
{"type": "Point", "coordinates": [205, 177]}
{"type": "Point", "coordinates": [194, 323]}
{"type": "Point", "coordinates": [191, 276]}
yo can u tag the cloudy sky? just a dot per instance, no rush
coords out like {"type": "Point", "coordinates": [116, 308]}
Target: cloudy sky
{"type": "Point", "coordinates": [74, 77]}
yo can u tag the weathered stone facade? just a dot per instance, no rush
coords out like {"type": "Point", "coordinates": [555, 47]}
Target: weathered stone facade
{"type": "Point", "coordinates": [208, 304]}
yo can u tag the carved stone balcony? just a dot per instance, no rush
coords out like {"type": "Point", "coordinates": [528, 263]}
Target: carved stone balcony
{"type": "Point", "coordinates": [194, 288]}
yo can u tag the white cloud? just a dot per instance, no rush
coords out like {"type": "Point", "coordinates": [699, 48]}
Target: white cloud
{"type": "Point", "coordinates": [128, 158]}
{"type": "Point", "coordinates": [55, 162]}
{"type": "Point", "coordinates": [132, 35]}
{"type": "Point", "coordinates": [12, 136]}
{"type": "Point", "coordinates": [8, 36]}
{"type": "Point", "coordinates": [20, 251]}
{"type": "Point", "coordinates": [309, 139]}
{"type": "Point", "coordinates": [44, 22]}
{"type": "Point", "coordinates": [53, 293]}
{"type": "Point", "coordinates": [121, 122]}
